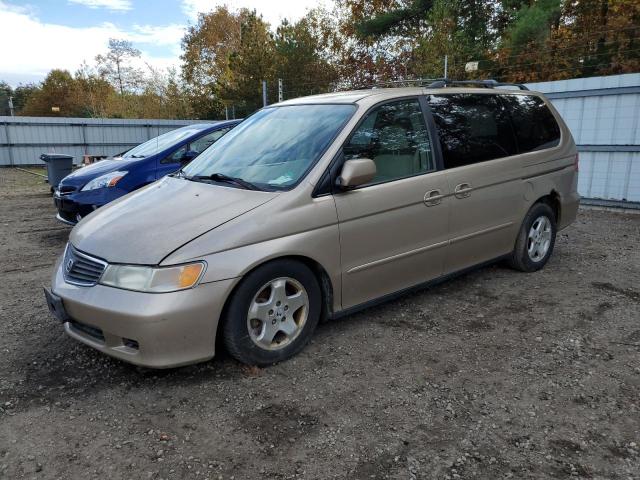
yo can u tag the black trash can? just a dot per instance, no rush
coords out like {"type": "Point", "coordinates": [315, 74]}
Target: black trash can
{"type": "Point", "coordinates": [58, 167]}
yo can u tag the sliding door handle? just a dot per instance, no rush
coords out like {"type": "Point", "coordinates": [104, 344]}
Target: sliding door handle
{"type": "Point", "coordinates": [462, 190]}
{"type": "Point", "coordinates": [433, 198]}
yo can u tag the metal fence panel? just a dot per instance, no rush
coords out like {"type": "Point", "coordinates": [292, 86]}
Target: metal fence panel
{"type": "Point", "coordinates": [23, 139]}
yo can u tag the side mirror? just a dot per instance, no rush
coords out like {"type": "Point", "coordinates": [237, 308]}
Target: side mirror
{"type": "Point", "coordinates": [188, 156]}
{"type": "Point", "coordinates": [356, 172]}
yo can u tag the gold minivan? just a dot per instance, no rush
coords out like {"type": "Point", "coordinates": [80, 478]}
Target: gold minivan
{"type": "Point", "coordinates": [314, 208]}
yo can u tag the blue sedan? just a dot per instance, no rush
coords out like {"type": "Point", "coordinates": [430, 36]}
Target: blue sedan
{"type": "Point", "coordinates": [93, 186]}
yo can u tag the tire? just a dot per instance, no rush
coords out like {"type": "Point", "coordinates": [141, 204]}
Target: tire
{"type": "Point", "coordinates": [526, 257]}
{"type": "Point", "coordinates": [272, 314]}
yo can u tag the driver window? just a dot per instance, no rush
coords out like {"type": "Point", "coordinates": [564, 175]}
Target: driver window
{"type": "Point", "coordinates": [176, 156]}
{"type": "Point", "coordinates": [204, 142]}
{"type": "Point", "coordinates": [395, 137]}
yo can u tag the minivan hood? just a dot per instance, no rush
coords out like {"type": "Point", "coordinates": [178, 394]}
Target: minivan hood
{"type": "Point", "coordinates": [82, 176]}
{"type": "Point", "coordinates": [145, 226]}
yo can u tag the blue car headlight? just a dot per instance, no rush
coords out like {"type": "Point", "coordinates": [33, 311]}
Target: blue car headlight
{"type": "Point", "coordinates": [107, 180]}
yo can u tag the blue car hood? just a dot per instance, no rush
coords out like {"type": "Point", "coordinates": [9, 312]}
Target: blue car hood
{"type": "Point", "coordinates": [83, 175]}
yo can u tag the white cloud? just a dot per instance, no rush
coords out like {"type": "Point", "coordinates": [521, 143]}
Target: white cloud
{"type": "Point", "coordinates": [273, 11]}
{"type": "Point", "coordinates": [164, 36]}
{"type": "Point", "coordinates": [113, 5]}
{"type": "Point", "coordinates": [37, 47]}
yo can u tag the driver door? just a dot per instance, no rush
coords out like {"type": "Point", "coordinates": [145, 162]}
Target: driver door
{"type": "Point", "coordinates": [394, 230]}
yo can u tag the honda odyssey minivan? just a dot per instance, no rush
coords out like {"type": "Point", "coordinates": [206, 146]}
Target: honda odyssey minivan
{"type": "Point", "coordinates": [314, 208]}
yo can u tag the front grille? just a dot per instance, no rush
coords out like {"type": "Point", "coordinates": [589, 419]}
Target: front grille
{"type": "Point", "coordinates": [81, 269]}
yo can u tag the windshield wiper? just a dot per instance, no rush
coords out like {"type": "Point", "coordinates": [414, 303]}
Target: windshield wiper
{"type": "Point", "coordinates": [221, 177]}
{"type": "Point", "coordinates": [137, 156]}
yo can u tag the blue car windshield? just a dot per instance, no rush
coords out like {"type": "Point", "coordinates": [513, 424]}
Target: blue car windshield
{"type": "Point", "coordinates": [162, 142]}
{"type": "Point", "coordinates": [274, 148]}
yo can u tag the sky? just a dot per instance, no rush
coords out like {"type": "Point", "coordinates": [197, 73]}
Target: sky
{"type": "Point", "coordinates": [39, 35]}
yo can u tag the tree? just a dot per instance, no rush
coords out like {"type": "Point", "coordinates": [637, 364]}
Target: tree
{"type": "Point", "coordinates": [252, 62]}
{"type": "Point", "coordinates": [115, 65]}
{"type": "Point", "coordinates": [365, 59]}
{"type": "Point", "coordinates": [578, 38]}
{"type": "Point", "coordinates": [398, 18]}
{"type": "Point", "coordinates": [5, 93]}
{"type": "Point", "coordinates": [21, 95]}
{"type": "Point", "coordinates": [444, 37]}
{"type": "Point", "coordinates": [457, 29]}
{"type": "Point", "coordinates": [302, 59]}
{"type": "Point", "coordinates": [207, 48]}
{"type": "Point", "coordinates": [82, 96]}
{"type": "Point", "coordinates": [532, 25]}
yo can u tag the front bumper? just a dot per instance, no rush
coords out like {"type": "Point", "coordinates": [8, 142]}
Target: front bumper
{"type": "Point", "coordinates": [70, 211]}
{"type": "Point", "coordinates": [157, 330]}
{"type": "Point", "coordinates": [72, 207]}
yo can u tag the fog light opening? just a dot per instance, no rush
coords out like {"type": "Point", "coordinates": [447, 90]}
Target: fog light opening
{"type": "Point", "coordinates": [130, 343]}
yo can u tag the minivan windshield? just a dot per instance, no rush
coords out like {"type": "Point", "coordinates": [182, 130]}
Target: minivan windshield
{"type": "Point", "coordinates": [274, 148]}
{"type": "Point", "coordinates": [162, 142]}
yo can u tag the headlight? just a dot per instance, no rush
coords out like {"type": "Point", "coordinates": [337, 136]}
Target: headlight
{"type": "Point", "coordinates": [153, 280]}
{"type": "Point", "coordinates": [106, 180]}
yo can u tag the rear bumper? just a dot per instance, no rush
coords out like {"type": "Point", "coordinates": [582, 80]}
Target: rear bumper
{"type": "Point", "coordinates": [569, 209]}
{"type": "Point", "coordinates": [152, 330]}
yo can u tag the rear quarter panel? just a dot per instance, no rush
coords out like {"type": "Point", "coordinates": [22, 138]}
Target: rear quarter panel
{"type": "Point", "coordinates": [552, 171]}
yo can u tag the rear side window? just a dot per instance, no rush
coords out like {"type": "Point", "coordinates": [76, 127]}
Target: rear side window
{"type": "Point", "coordinates": [472, 128]}
{"type": "Point", "coordinates": [534, 124]}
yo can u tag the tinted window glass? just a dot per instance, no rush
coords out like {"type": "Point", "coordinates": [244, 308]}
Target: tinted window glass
{"type": "Point", "coordinates": [534, 124]}
{"type": "Point", "coordinates": [472, 128]}
{"type": "Point", "coordinates": [395, 137]}
{"type": "Point", "coordinates": [176, 156]}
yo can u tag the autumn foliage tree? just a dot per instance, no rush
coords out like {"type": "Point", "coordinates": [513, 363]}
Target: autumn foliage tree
{"type": "Point", "coordinates": [227, 54]}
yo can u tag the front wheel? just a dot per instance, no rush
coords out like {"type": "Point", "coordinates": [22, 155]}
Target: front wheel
{"type": "Point", "coordinates": [273, 313]}
{"type": "Point", "coordinates": [536, 239]}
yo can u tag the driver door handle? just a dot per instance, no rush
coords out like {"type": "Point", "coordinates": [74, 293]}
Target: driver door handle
{"type": "Point", "coordinates": [463, 190]}
{"type": "Point", "coordinates": [433, 198]}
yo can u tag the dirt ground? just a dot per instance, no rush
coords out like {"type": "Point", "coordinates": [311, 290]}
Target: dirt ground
{"type": "Point", "coordinates": [496, 374]}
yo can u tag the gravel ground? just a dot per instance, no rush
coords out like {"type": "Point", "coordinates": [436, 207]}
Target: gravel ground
{"type": "Point", "coordinates": [496, 374]}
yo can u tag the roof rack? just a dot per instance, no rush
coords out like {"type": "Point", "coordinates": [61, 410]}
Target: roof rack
{"type": "Point", "coordinates": [442, 83]}
{"type": "Point", "coordinates": [445, 82]}
{"type": "Point", "coordinates": [414, 82]}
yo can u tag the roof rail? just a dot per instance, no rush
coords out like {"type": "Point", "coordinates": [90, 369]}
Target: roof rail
{"type": "Point", "coordinates": [440, 83]}
{"type": "Point", "coordinates": [445, 82]}
{"type": "Point", "coordinates": [414, 82]}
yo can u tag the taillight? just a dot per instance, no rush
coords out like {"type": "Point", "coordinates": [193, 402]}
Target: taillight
{"type": "Point", "coordinates": [576, 162]}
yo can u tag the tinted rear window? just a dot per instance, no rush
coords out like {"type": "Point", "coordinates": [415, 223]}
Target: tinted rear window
{"type": "Point", "coordinates": [472, 128]}
{"type": "Point", "coordinates": [534, 124]}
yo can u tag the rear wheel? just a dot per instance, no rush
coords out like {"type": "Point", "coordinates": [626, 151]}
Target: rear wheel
{"type": "Point", "coordinates": [272, 313]}
{"type": "Point", "coordinates": [536, 239]}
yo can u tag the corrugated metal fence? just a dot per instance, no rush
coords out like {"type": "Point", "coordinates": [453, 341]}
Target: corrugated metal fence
{"type": "Point", "coordinates": [603, 114]}
{"type": "Point", "coordinates": [23, 139]}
